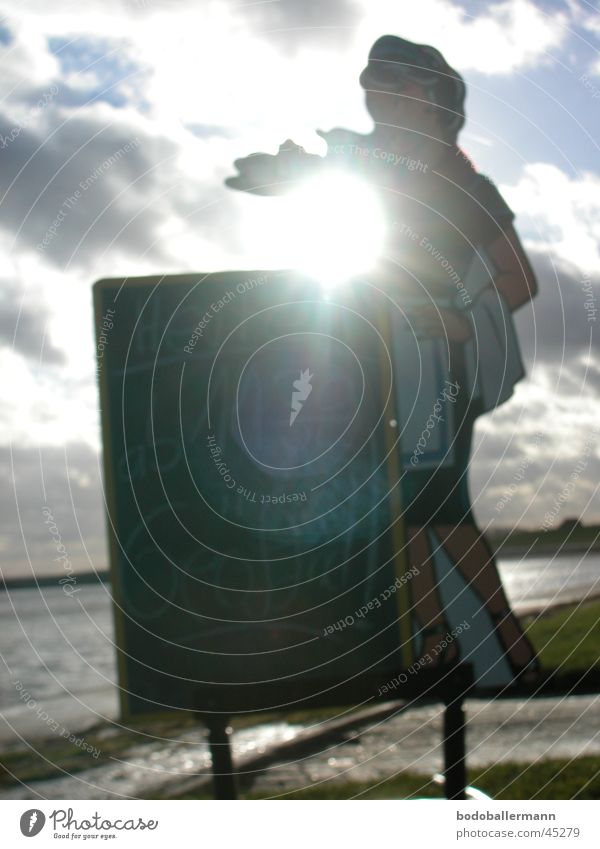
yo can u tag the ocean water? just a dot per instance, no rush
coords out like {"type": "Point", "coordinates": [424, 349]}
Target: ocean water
{"type": "Point", "coordinates": [60, 650]}
{"type": "Point", "coordinates": [535, 583]}
{"type": "Point", "coordinates": [53, 645]}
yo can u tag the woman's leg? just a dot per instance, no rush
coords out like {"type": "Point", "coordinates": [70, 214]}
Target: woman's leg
{"type": "Point", "coordinates": [468, 550]}
{"type": "Point", "coordinates": [428, 606]}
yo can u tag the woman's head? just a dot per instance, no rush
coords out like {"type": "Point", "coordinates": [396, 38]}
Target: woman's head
{"type": "Point", "coordinates": [412, 86]}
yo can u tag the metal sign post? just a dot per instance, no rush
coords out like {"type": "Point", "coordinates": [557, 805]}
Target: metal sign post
{"type": "Point", "coordinates": [219, 739]}
{"type": "Point", "coordinates": [455, 770]}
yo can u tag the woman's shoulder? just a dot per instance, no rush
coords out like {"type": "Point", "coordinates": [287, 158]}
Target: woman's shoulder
{"type": "Point", "coordinates": [486, 194]}
{"type": "Point", "coordinates": [479, 195]}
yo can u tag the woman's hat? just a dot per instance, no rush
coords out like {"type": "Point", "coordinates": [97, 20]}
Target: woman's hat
{"type": "Point", "coordinates": [394, 60]}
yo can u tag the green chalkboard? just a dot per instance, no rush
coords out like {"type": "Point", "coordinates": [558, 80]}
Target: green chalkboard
{"type": "Point", "coordinates": [256, 551]}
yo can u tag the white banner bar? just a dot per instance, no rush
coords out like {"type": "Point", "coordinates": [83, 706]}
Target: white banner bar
{"type": "Point", "coordinates": [280, 824]}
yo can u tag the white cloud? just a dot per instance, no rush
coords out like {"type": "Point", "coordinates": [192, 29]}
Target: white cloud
{"type": "Point", "coordinates": [505, 37]}
{"type": "Point", "coordinates": [26, 63]}
{"type": "Point", "coordinates": [561, 214]}
{"type": "Point", "coordinates": [508, 454]}
{"type": "Point", "coordinates": [45, 407]}
{"type": "Point", "coordinates": [68, 481]}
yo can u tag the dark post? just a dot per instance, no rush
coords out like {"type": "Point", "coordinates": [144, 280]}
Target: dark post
{"type": "Point", "coordinates": [224, 782]}
{"type": "Point", "coordinates": [455, 771]}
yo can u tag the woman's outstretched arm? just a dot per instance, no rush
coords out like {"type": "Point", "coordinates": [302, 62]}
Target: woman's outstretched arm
{"type": "Point", "coordinates": [265, 174]}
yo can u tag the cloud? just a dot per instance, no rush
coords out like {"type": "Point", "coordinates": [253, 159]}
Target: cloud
{"type": "Point", "coordinates": [495, 39]}
{"type": "Point", "coordinates": [23, 325]}
{"type": "Point", "coordinates": [558, 326]}
{"type": "Point", "coordinates": [84, 179]}
{"type": "Point", "coordinates": [559, 214]}
{"type": "Point", "coordinates": [559, 339]}
{"type": "Point", "coordinates": [25, 62]}
{"type": "Point", "coordinates": [42, 406]}
{"type": "Point", "coordinates": [67, 481]}
{"type": "Point", "coordinates": [526, 451]}
{"type": "Point", "coordinates": [293, 24]}
{"type": "Point", "coordinates": [72, 187]}
{"type": "Point", "coordinates": [500, 42]}
{"type": "Point", "coordinates": [559, 332]}
{"type": "Point", "coordinates": [527, 486]}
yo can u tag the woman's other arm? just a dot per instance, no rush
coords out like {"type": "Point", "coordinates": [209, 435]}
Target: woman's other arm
{"type": "Point", "coordinates": [515, 279]}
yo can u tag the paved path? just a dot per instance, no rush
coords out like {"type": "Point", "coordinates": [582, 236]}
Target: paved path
{"type": "Point", "coordinates": [509, 729]}
{"type": "Point", "coordinates": [504, 730]}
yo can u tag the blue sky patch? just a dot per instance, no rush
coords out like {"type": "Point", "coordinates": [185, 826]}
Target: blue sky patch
{"type": "Point", "coordinates": [6, 36]}
{"type": "Point", "coordinates": [106, 59]}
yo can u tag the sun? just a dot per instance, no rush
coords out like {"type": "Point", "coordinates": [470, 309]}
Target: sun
{"type": "Point", "coordinates": [330, 227]}
{"type": "Point", "coordinates": [336, 227]}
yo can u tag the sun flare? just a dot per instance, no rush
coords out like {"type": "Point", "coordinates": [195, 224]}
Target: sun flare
{"type": "Point", "coordinates": [330, 227]}
{"type": "Point", "coordinates": [336, 227]}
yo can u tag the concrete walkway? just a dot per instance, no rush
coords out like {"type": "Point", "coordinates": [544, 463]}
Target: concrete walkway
{"type": "Point", "coordinates": [497, 731]}
{"type": "Point", "coordinates": [522, 730]}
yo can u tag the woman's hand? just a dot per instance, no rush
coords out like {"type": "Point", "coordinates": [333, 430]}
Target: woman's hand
{"type": "Point", "coordinates": [264, 174]}
{"type": "Point", "coordinates": [429, 320]}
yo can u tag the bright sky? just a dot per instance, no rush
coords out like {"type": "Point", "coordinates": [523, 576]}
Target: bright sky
{"type": "Point", "coordinates": [179, 90]}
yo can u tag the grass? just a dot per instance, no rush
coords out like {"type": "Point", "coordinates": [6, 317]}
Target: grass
{"type": "Point", "coordinates": [53, 757]}
{"type": "Point", "coordinates": [551, 779]}
{"type": "Point", "coordinates": [46, 759]}
{"type": "Point", "coordinates": [568, 639]}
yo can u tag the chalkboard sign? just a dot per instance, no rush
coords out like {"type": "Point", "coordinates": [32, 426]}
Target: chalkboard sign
{"type": "Point", "coordinates": [250, 448]}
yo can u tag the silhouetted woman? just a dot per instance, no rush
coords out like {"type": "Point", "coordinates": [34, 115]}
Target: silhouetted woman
{"type": "Point", "coordinates": [457, 270]}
